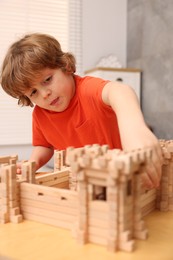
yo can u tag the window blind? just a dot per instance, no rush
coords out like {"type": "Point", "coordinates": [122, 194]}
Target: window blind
{"type": "Point", "coordinates": [59, 18]}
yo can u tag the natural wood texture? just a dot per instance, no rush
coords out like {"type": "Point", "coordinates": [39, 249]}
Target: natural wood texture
{"type": "Point", "coordinates": [112, 176]}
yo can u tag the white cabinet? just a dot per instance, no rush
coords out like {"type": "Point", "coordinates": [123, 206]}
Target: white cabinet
{"type": "Point", "coordinates": [131, 77]}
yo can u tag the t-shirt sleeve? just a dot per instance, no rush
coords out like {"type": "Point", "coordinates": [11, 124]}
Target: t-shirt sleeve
{"type": "Point", "coordinates": [93, 88]}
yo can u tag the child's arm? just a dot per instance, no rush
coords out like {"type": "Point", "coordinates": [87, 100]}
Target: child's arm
{"type": "Point", "coordinates": [133, 130]}
{"type": "Point", "coordinates": [41, 155]}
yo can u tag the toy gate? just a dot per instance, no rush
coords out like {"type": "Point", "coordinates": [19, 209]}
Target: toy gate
{"type": "Point", "coordinates": [117, 219]}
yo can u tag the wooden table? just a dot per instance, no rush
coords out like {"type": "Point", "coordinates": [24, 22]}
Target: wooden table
{"type": "Point", "coordinates": [34, 241]}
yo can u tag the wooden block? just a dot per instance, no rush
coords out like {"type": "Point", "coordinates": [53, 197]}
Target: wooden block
{"type": "Point", "coordinates": [4, 159]}
{"type": "Point", "coordinates": [97, 240]}
{"type": "Point", "coordinates": [28, 171]}
{"type": "Point", "coordinates": [140, 226]}
{"type": "Point", "coordinates": [164, 206]}
{"type": "Point", "coordinates": [82, 237]}
{"type": "Point", "coordinates": [98, 206]}
{"type": "Point", "coordinates": [101, 232]}
{"type": "Point", "coordinates": [100, 223]}
{"type": "Point", "coordinates": [14, 211]}
{"type": "Point", "coordinates": [63, 185]}
{"type": "Point", "coordinates": [125, 236]}
{"type": "Point", "coordinates": [39, 190]}
{"type": "Point", "coordinates": [113, 224]}
{"type": "Point", "coordinates": [16, 219]}
{"type": "Point", "coordinates": [137, 216]}
{"type": "Point", "coordinates": [170, 207]}
{"type": "Point", "coordinates": [48, 220]}
{"type": "Point", "coordinates": [5, 208]}
{"type": "Point", "coordinates": [112, 244]}
{"type": "Point", "coordinates": [143, 235]}
{"type": "Point", "coordinates": [13, 203]}
{"type": "Point", "coordinates": [113, 231]}
{"type": "Point", "coordinates": [128, 246]}
{"type": "Point", "coordinates": [54, 182]}
{"type": "Point", "coordinates": [148, 208]}
{"type": "Point", "coordinates": [48, 214]}
{"type": "Point", "coordinates": [4, 217]}
{"type": "Point", "coordinates": [52, 176]}
{"type": "Point", "coordinates": [59, 207]}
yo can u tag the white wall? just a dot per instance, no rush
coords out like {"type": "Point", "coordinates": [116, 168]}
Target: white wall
{"type": "Point", "coordinates": [23, 151]}
{"type": "Point", "coordinates": [104, 30]}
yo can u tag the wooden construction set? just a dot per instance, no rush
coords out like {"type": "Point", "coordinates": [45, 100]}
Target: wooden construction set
{"type": "Point", "coordinates": [99, 196]}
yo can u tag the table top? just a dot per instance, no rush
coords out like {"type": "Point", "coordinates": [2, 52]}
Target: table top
{"type": "Point", "coordinates": [35, 241]}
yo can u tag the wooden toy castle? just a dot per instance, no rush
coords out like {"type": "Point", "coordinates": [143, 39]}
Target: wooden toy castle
{"type": "Point", "coordinates": [99, 196]}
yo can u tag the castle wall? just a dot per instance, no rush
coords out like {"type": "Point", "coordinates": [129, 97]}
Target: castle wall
{"type": "Point", "coordinates": [48, 205]}
{"type": "Point", "coordinates": [114, 222]}
{"type": "Point", "coordinates": [58, 179]}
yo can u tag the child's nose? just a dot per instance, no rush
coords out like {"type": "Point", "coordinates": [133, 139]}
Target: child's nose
{"type": "Point", "coordinates": [46, 93]}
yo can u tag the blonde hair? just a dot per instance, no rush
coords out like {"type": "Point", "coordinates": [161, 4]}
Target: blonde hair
{"type": "Point", "coordinates": [25, 60]}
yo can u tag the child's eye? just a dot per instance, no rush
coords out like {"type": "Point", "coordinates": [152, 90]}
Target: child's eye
{"type": "Point", "coordinates": [47, 80]}
{"type": "Point", "coordinates": [33, 92]}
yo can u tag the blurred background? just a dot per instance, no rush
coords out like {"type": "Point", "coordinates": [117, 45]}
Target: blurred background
{"type": "Point", "coordinates": [137, 32]}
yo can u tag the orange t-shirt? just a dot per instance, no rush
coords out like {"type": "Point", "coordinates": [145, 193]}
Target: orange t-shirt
{"type": "Point", "coordinates": [87, 120]}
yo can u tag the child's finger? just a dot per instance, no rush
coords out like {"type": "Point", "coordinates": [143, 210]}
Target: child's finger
{"type": "Point", "coordinates": [146, 181]}
{"type": "Point", "coordinates": [19, 171]}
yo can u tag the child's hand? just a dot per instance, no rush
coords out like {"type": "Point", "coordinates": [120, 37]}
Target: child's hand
{"type": "Point", "coordinates": [152, 175]}
{"type": "Point", "coordinates": [142, 139]}
{"type": "Point", "coordinates": [19, 168]}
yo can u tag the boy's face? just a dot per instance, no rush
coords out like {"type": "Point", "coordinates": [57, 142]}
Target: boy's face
{"type": "Point", "coordinates": [53, 90]}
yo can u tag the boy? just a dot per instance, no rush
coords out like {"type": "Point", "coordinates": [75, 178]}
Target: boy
{"type": "Point", "coordinates": [74, 111]}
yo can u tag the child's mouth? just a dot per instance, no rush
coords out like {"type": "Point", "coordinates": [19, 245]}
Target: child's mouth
{"type": "Point", "coordinates": [54, 102]}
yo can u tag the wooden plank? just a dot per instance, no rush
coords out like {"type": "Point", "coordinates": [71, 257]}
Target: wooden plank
{"type": "Point", "coordinates": [97, 239]}
{"type": "Point", "coordinates": [101, 232]}
{"type": "Point", "coordinates": [98, 205]}
{"type": "Point", "coordinates": [98, 215]}
{"type": "Point", "coordinates": [52, 175]}
{"type": "Point", "coordinates": [53, 182]}
{"type": "Point", "coordinates": [100, 223]}
{"type": "Point", "coordinates": [50, 221]}
{"type": "Point", "coordinates": [63, 185]}
{"type": "Point", "coordinates": [97, 182]}
{"type": "Point", "coordinates": [99, 174]}
{"type": "Point", "coordinates": [51, 191]}
{"type": "Point", "coordinates": [48, 206]}
{"type": "Point", "coordinates": [47, 213]}
{"type": "Point", "coordinates": [50, 199]}
{"type": "Point", "coordinates": [4, 159]}
{"type": "Point", "coordinates": [148, 208]}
